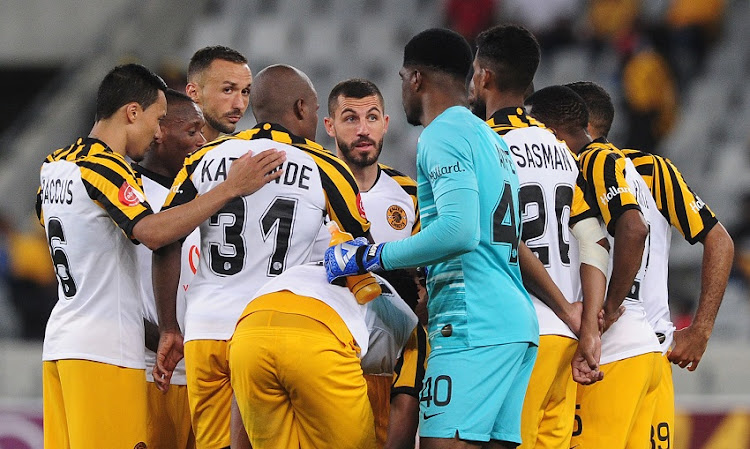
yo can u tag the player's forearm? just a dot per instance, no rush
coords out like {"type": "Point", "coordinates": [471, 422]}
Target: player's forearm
{"type": "Point", "coordinates": [168, 226]}
{"type": "Point", "coordinates": [718, 253]}
{"type": "Point", "coordinates": [594, 287]}
{"type": "Point", "coordinates": [152, 334]}
{"type": "Point", "coordinates": [166, 277]}
{"type": "Point", "coordinates": [454, 232]}
{"type": "Point", "coordinates": [537, 280]}
{"type": "Point", "coordinates": [402, 423]}
{"type": "Point", "coordinates": [630, 238]}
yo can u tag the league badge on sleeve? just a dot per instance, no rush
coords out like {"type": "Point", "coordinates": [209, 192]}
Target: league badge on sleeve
{"type": "Point", "coordinates": [129, 195]}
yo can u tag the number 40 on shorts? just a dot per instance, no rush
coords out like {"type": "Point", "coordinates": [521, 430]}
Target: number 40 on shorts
{"type": "Point", "coordinates": [438, 392]}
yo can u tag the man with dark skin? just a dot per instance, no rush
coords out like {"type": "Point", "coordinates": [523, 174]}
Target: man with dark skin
{"type": "Point", "coordinates": [168, 422]}
{"type": "Point", "coordinates": [684, 210]}
{"type": "Point", "coordinates": [630, 349]}
{"type": "Point", "coordinates": [251, 240]}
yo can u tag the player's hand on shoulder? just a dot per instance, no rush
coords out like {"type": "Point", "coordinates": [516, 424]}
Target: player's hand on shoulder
{"type": "Point", "coordinates": [351, 258]}
{"type": "Point", "coordinates": [250, 172]}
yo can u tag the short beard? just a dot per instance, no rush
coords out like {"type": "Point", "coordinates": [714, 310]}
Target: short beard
{"type": "Point", "coordinates": [478, 107]}
{"type": "Point", "coordinates": [362, 161]}
{"type": "Point", "coordinates": [219, 126]}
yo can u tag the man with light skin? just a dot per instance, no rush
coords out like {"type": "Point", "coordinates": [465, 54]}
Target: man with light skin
{"type": "Point", "coordinates": [93, 208]}
{"type": "Point", "coordinates": [219, 82]}
{"type": "Point", "coordinates": [358, 122]}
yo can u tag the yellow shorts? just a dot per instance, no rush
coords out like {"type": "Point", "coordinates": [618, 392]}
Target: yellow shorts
{"type": "Point", "coordinates": [298, 381]}
{"type": "Point", "coordinates": [549, 406]}
{"type": "Point", "coordinates": [209, 392]}
{"type": "Point", "coordinates": [379, 393]}
{"type": "Point", "coordinates": [616, 412]}
{"type": "Point", "coordinates": [168, 418]}
{"type": "Point", "coordinates": [662, 426]}
{"type": "Point", "coordinates": [93, 405]}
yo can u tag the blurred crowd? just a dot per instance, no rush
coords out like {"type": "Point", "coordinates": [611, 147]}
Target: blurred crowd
{"type": "Point", "coordinates": [28, 288]}
{"type": "Point", "coordinates": [660, 46]}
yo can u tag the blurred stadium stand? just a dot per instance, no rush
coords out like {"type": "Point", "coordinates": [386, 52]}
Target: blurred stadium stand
{"type": "Point", "coordinates": [78, 41]}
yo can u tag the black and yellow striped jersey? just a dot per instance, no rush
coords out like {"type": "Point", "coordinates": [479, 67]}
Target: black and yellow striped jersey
{"type": "Point", "coordinates": [510, 119]}
{"type": "Point", "coordinates": [551, 191]}
{"type": "Point", "coordinates": [256, 237]}
{"type": "Point", "coordinates": [408, 373]}
{"type": "Point", "coordinates": [676, 201]}
{"type": "Point", "coordinates": [609, 194]}
{"type": "Point", "coordinates": [342, 194]}
{"type": "Point", "coordinates": [109, 180]}
{"type": "Point", "coordinates": [89, 202]}
{"type": "Point", "coordinates": [391, 205]}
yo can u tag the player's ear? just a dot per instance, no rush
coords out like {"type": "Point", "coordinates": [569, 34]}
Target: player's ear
{"type": "Point", "coordinates": [191, 89]}
{"type": "Point", "coordinates": [328, 122]}
{"type": "Point", "coordinates": [299, 109]}
{"type": "Point", "coordinates": [416, 80]}
{"type": "Point", "coordinates": [132, 110]}
{"type": "Point", "coordinates": [486, 77]}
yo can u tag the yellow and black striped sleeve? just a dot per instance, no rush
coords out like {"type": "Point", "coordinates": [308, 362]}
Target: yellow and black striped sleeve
{"type": "Point", "coordinates": [183, 190]}
{"type": "Point", "coordinates": [604, 172]}
{"type": "Point", "coordinates": [113, 184]}
{"type": "Point", "coordinates": [676, 201]}
{"type": "Point", "coordinates": [581, 207]}
{"type": "Point", "coordinates": [343, 203]}
{"type": "Point", "coordinates": [410, 187]}
{"type": "Point", "coordinates": [408, 374]}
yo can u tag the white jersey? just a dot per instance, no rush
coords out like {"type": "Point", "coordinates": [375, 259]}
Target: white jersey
{"type": "Point", "coordinates": [631, 334]}
{"type": "Point", "coordinates": [390, 322]}
{"type": "Point", "coordinates": [255, 238]}
{"type": "Point", "coordinates": [381, 327]}
{"type": "Point", "coordinates": [391, 206]}
{"type": "Point", "coordinates": [547, 172]}
{"type": "Point", "coordinates": [89, 202]}
{"type": "Point", "coordinates": [654, 289]}
{"type": "Point", "coordinates": [684, 210]}
{"type": "Point", "coordinates": [156, 188]}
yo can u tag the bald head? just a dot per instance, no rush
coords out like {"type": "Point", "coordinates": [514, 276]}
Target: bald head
{"type": "Point", "coordinates": [285, 95]}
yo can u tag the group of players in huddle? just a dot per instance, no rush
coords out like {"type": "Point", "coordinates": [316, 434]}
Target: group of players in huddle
{"type": "Point", "coordinates": [523, 275]}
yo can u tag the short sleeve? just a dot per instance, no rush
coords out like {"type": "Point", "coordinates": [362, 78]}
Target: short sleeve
{"type": "Point", "coordinates": [113, 184]}
{"type": "Point", "coordinates": [604, 173]}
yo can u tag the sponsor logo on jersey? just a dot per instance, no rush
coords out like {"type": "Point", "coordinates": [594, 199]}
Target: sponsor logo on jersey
{"type": "Point", "coordinates": [361, 207]}
{"type": "Point", "coordinates": [193, 256]}
{"type": "Point", "coordinates": [697, 205]}
{"type": "Point", "coordinates": [613, 192]}
{"type": "Point", "coordinates": [440, 170]}
{"type": "Point", "coordinates": [129, 195]}
{"type": "Point", "coordinates": [396, 217]}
